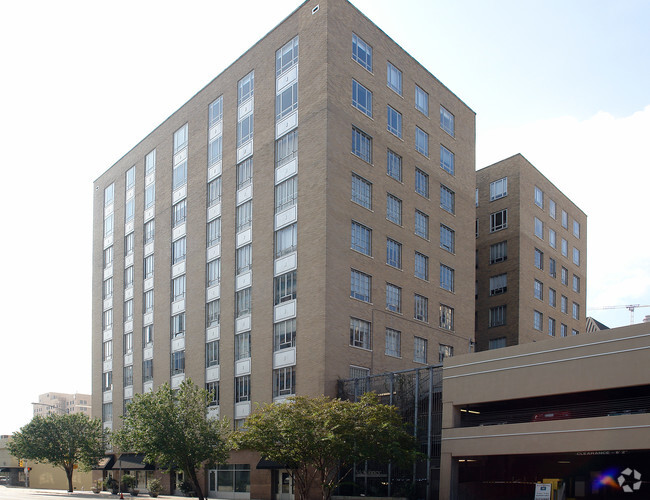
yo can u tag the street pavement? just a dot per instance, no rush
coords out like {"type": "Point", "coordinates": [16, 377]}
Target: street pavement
{"type": "Point", "coordinates": [17, 493]}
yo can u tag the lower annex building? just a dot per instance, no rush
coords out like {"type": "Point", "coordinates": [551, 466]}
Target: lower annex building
{"type": "Point", "coordinates": [306, 217]}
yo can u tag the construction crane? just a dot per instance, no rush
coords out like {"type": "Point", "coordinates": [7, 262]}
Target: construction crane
{"type": "Point", "coordinates": [629, 307]}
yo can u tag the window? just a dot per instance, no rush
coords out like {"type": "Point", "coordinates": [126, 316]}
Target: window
{"type": "Point", "coordinates": [361, 98]}
{"type": "Point", "coordinates": [148, 267]}
{"type": "Point", "coordinates": [565, 248]}
{"type": "Point", "coordinates": [361, 52]}
{"type": "Point", "coordinates": [244, 259]}
{"type": "Point", "coordinates": [286, 57]}
{"type": "Point", "coordinates": [361, 374]}
{"type": "Point", "coordinates": [565, 220]}
{"type": "Point", "coordinates": [108, 257]}
{"type": "Point", "coordinates": [178, 362]}
{"type": "Point", "coordinates": [420, 308]}
{"type": "Point", "coordinates": [393, 253]}
{"type": "Point", "coordinates": [245, 88]}
{"type": "Point", "coordinates": [107, 288]}
{"type": "Point", "coordinates": [180, 138]}
{"type": "Point", "coordinates": [393, 343]}
{"type": "Point", "coordinates": [576, 229]}
{"type": "Point", "coordinates": [394, 78]}
{"type": "Point", "coordinates": [498, 220]}
{"type": "Point", "coordinates": [242, 389]}
{"type": "Point", "coordinates": [447, 238]}
{"type": "Point", "coordinates": [498, 284]}
{"type": "Point", "coordinates": [214, 192]}
{"type": "Point", "coordinates": [447, 160]}
{"type": "Point", "coordinates": [421, 266]}
{"type": "Point", "coordinates": [447, 278]}
{"type": "Point", "coordinates": [551, 208]}
{"type": "Point", "coordinates": [212, 353]}
{"type": "Point", "coordinates": [444, 351]}
{"type": "Point", "coordinates": [147, 370]}
{"type": "Point", "coordinates": [147, 301]}
{"type": "Point", "coordinates": [360, 285]}
{"type": "Point", "coordinates": [245, 173]}
{"type": "Point", "coordinates": [497, 316]}
{"type": "Point", "coordinates": [128, 376]}
{"type": "Point", "coordinates": [576, 311]}
{"type": "Point", "coordinates": [497, 343]}
{"type": "Point", "coordinates": [551, 297]}
{"type": "Point", "coordinates": [107, 381]}
{"type": "Point", "coordinates": [563, 330]}
{"type": "Point", "coordinates": [574, 331]}
{"type": "Point", "coordinates": [128, 244]}
{"type": "Point", "coordinates": [422, 224]}
{"type": "Point", "coordinates": [128, 277]}
{"type": "Point", "coordinates": [498, 189]}
{"type": "Point", "coordinates": [213, 272]}
{"type": "Point", "coordinates": [286, 194]}
{"type": "Point", "coordinates": [498, 252]}
{"type": "Point", "coordinates": [212, 389]}
{"type": "Point", "coordinates": [107, 319]}
{"type": "Point", "coordinates": [286, 240]}
{"type": "Point", "coordinates": [538, 320]}
{"type": "Point", "coordinates": [215, 111]}
{"type": "Point", "coordinates": [242, 346]}
{"type": "Point", "coordinates": [539, 197]}
{"type": "Point", "coordinates": [215, 150]}
{"type": "Point", "coordinates": [447, 121]}
{"type": "Point", "coordinates": [564, 276]}
{"type": "Point", "coordinates": [421, 101]}
{"type": "Point", "coordinates": [539, 228]}
{"type": "Point", "coordinates": [447, 199]}
{"type": "Point", "coordinates": [576, 284]}
{"type": "Point", "coordinates": [360, 332]}
{"type": "Point", "coordinates": [446, 317]}
{"type": "Point", "coordinates": [129, 211]}
{"type": "Point", "coordinates": [212, 313]}
{"type": "Point", "coordinates": [243, 302]}
{"type": "Point", "coordinates": [286, 148]}
{"type": "Point", "coordinates": [421, 141]}
{"type": "Point", "coordinates": [551, 327]}
{"type": "Point", "coordinates": [108, 225]}
{"type": "Point", "coordinates": [178, 325]}
{"type": "Point", "coordinates": [149, 231]}
{"type": "Point", "coordinates": [285, 287]}
{"type": "Point", "coordinates": [244, 216]}
{"type": "Point", "coordinates": [361, 238]}
{"type": "Point", "coordinates": [361, 191]}
{"type": "Point", "coordinates": [245, 128]}
{"type": "Point", "coordinates": [394, 209]}
{"type": "Point", "coordinates": [564, 304]}
{"type": "Point", "coordinates": [179, 175]}
{"type": "Point", "coordinates": [128, 310]}
{"type": "Point", "coordinates": [552, 238]}
{"type": "Point", "coordinates": [576, 256]}
{"type": "Point", "coordinates": [179, 213]}
{"type": "Point", "coordinates": [421, 183]}
{"type": "Point", "coordinates": [178, 250]}
{"type": "Point", "coordinates": [394, 163]}
{"type": "Point", "coordinates": [284, 381]}
{"type": "Point", "coordinates": [147, 335]}
{"type": "Point", "coordinates": [213, 232]}
{"type": "Point", "coordinates": [393, 298]}
{"type": "Point", "coordinates": [150, 163]}
{"type": "Point", "coordinates": [539, 259]}
{"type": "Point", "coordinates": [178, 288]}
{"type": "Point", "coordinates": [539, 290]}
{"type": "Point", "coordinates": [361, 145]}
{"type": "Point", "coordinates": [107, 350]}
{"type": "Point", "coordinates": [109, 195]}
{"type": "Point", "coordinates": [286, 102]}
{"type": "Point", "coordinates": [107, 412]}
{"type": "Point", "coordinates": [419, 350]}
{"type": "Point", "coordinates": [284, 335]}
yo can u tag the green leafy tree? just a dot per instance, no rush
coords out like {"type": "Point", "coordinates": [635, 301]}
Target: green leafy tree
{"type": "Point", "coordinates": [62, 441]}
{"type": "Point", "coordinates": [321, 438]}
{"type": "Point", "coordinates": [171, 428]}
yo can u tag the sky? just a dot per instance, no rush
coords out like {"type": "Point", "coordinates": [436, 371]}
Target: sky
{"type": "Point", "coordinates": [565, 83]}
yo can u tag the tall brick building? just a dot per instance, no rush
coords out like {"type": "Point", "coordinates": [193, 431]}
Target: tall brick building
{"type": "Point", "coordinates": [307, 216]}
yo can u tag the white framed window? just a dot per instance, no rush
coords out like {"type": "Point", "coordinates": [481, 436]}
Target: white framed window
{"type": "Point", "coordinates": [128, 277]}
{"type": "Point", "coordinates": [148, 266]}
{"type": "Point", "coordinates": [576, 256]}
{"type": "Point", "coordinates": [447, 121]}
{"type": "Point", "coordinates": [498, 189]}
{"type": "Point", "coordinates": [361, 98]}
{"type": "Point", "coordinates": [576, 284]}
{"type": "Point", "coordinates": [551, 327]}
{"type": "Point", "coordinates": [394, 78]}
{"type": "Point", "coordinates": [447, 199]}
{"type": "Point", "coordinates": [361, 145]}
{"type": "Point", "coordinates": [498, 220]}
{"type": "Point", "coordinates": [447, 278]}
{"type": "Point", "coordinates": [394, 165]}
{"type": "Point", "coordinates": [360, 333]}
{"type": "Point", "coordinates": [179, 213]}
{"type": "Point", "coordinates": [552, 265]}
{"type": "Point", "coordinates": [244, 259]}
{"type": "Point", "coordinates": [245, 129]}
{"type": "Point", "coordinates": [286, 57]}
{"type": "Point", "coordinates": [447, 238]}
{"type": "Point", "coordinates": [242, 346]}
{"type": "Point", "coordinates": [215, 150]}
{"type": "Point", "coordinates": [361, 52]}
{"type": "Point", "coordinates": [178, 288]}
{"type": "Point", "coordinates": [284, 335]}
{"type": "Point", "coordinates": [213, 230]}
{"type": "Point", "coordinates": [419, 350]}
{"type": "Point", "coordinates": [147, 301]}
{"type": "Point", "coordinates": [539, 228]}
{"type": "Point", "coordinates": [149, 231]}
{"type": "Point", "coordinates": [421, 263]}
{"type": "Point", "coordinates": [178, 325]}
{"type": "Point", "coordinates": [286, 102]}
{"type": "Point", "coordinates": [539, 259]}
{"type": "Point", "coordinates": [539, 197]}
{"type": "Point", "coordinates": [215, 111]}
{"type": "Point", "coordinates": [539, 290]}
{"type": "Point", "coordinates": [564, 247]}
{"type": "Point", "coordinates": [286, 148]}
{"type": "Point", "coordinates": [213, 272]}
{"type": "Point", "coordinates": [212, 389]}
{"type": "Point", "coordinates": [420, 308]}
{"type": "Point", "coordinates": [421, 101]}
{"type": "Point", "coordinates": [129, 209]}
{"type": "Point", "coordinates": [149, 196]}
{"type": "Point", "coordinates": [393, 298]}
{"type": "Point", "coordinates": [285, 287]}
{"type": "Point", "coordinates": [538, 320]}
{"type": "Point", "coordinates": [178, 250]}
{"type": "Point", "coordinates": [421, 142]}
{"type": "Point", "coordinates": [212, 313]}
{"type": "Point", "coordinates": [499, 284]}
{"type": "Point", "coordinates": [576, 229]}
{"type": "Point", "coordinates": [361, 191]}
{"type": "Point", "coordinates": [447, 160]}
{"type": "Point", "coordinates": [180, 138]}
{"type": "Point", "coordinates": [446, 317]}
{"type": "Point", "coordinates": [360, 285]}
{"type": "Point", "coordinates": [107, 288]}
{"type": "Point", "coordinates": [393, 343]}
{"type": "Point", "coordinates": [361, 238]}
{"type": "Point", "coordinates": [551, 297]}
{"type": "Point", "coordinates": [107, 350]}
{"type": "Point", "coordinates": [498, 252]}
{"type": "Point", "coordinates": [129, 244]}
{"type": "Point", "coordinates": [575, 311]}
{"type": "Point", "coordinates": [565, 220]}
{"type": "Point", "coordinates": [563, 330]}
{"type": "Point", "coordinates": [242, 389]}
{"type": "Point", "coordinates": [128, 310]}
{"type": "Point", "coordinates": [150, 163]}
{"type": "Point", "coordinates": [179, 175]}
{"type": "Point", "coordinates": [552, 208]}
{"type": "Point", "coordinates": [552, 238]}
{"type": "Point", "coordinates": [393, 253]}
{"type": "Point", "coordinates": [564, 304]}
{"type": "Point", "coordinates": [107, 381]}
{"type": "Point", "coordinates": [109, 194]}
{"type": "Point", "coordinates": [108, 225]}
{"type": "Point", "coordinates": [245, 88]}
{"type": "Point", "coordinates": [244, 216]}
{"type": "Point", "coordinates": [243, 302]}
{"type": "Point", "coordinates": [421, 183]}
{"type": "Point", "coordinates": [147, 335]}
{"type": "Point", "coordinates": [286, 240]}
{"type": "Point", "coordinates": [245, 173]}
{"type": "Point", "coordinates": [284, 381]}
{"type": "Point", "coordinates": [128, 376]}
{"type": "Point", "coordinates": [497, 316]}
{"type": "Point", "coordinates": [422, 224]}
{"type": "Point", "coordinates": [394, 209]}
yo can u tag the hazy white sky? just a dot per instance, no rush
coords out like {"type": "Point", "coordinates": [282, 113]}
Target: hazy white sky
{"type": "Point", "coordinates": [567, 84]}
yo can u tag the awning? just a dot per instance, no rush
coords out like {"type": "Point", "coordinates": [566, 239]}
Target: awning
{"type": "Point", "coordinates": [270, 465]}
{"type": "Point", "coordinates": [105, 463]}
{"type": "Point", "coordinates": [132, 461]}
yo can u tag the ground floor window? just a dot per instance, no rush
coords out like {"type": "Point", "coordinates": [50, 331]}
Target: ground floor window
{"type": "Point", "coordinates": [234, 478]}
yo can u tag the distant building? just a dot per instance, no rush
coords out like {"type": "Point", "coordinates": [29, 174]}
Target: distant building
{"type": "Point", "coordinates": [531, 257]}
{"type": "Point", "coordinates": [593, 325]}
{"type": "Point", "coordinates": [60, 403]}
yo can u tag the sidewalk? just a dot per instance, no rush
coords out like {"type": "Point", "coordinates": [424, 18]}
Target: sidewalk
{"type": "Point", "coordinates": [17, 493]}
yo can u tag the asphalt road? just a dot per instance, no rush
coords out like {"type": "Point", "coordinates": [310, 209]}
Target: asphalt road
{"type": "Point", "coordinates": [14, 493]}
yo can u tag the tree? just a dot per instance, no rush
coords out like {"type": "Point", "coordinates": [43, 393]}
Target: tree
{"type": "Point", "coordinates": [171, 428]}
{"type": "Point", "coordinates": [62, 441]}
{"type": "Point", "coordinates": [321, 438]}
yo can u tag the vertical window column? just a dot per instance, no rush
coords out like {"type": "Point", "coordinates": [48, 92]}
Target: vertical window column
{"type": "Point", "coordinates": [129, 227]}
{"type": "Point", "coordinates": [149, 232]}
{"type": "Point", "coordinates": [107, 309]}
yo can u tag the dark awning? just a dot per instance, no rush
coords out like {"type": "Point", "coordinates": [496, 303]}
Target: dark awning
{"type": "Point", "coordinates": [105, 463]}
{"type": "Point", "coordinates": [9, 469]}
{"type": "Point", "coordinates": [270, 465]}
{"type": "Point", "coordinates": [132, 461]}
